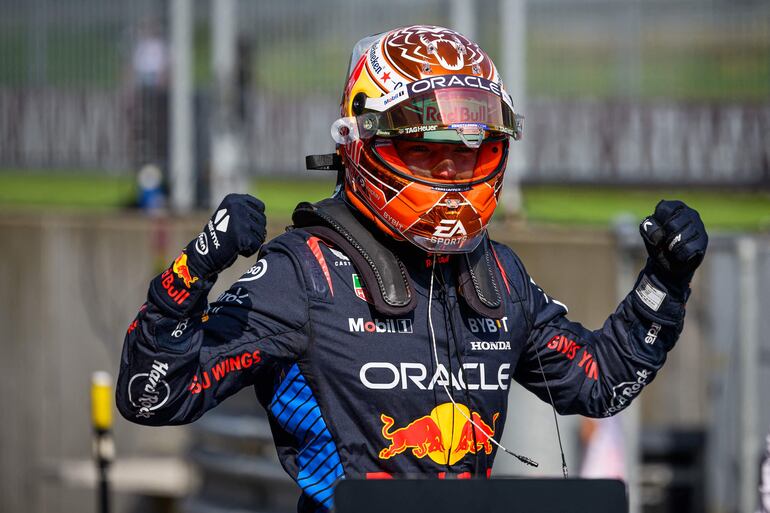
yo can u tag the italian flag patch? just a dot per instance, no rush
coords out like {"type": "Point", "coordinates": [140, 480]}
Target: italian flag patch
{"type": "Point", "coordinates": [358, 288]}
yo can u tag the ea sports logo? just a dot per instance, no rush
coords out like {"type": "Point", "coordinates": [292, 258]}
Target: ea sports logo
{"type": "Point", "coordinates": [450, 228]}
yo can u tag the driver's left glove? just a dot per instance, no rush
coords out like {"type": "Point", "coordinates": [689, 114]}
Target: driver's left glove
{"type": "Point", "coordinates": [676, 241]}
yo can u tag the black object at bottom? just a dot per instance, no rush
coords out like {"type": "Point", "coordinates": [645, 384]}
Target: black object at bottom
{"type": "Point", "coordinates": [103, 498]}
{"type": "Point", "coordinates": [481, 495]}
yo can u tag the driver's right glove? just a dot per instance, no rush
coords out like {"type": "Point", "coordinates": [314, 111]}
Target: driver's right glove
{"type": "Point", "coordinates": [237, 227]}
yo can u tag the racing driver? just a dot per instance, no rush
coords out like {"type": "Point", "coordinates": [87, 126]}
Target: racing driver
{"type": "Point", "coordinates": [382, 331]}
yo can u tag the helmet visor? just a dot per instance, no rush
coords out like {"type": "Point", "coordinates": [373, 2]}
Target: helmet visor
{"type": "Point", "coordinates": [450, 114]}
{"type": "Point", "coordinates": [467, 114]}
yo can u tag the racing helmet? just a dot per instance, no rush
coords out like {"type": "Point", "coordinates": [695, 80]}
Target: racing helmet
{"type": "Point", "coordinates": [423, 136]}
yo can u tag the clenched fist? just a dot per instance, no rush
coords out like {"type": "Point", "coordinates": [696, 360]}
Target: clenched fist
{"type": "Point", "coordinates": [676, 239]}
{"type": "Point", "coordinates": [236, 228]}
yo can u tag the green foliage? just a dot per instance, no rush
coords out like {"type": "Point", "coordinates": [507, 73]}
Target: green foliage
{"type": "Point", "coordinates": [281, 196]}
{"type": "Point", "coordinates": [697, 65]}
{"type": "Point", "coordinates": [65, 189]}
{"type": "Point", "coordinates": [575, 205]}
{"type": "Point", "coordinates": [13, 61]}
{"type": "Point", "coordinates": [290, 67]}
{"type": "Point", "coordinates": [84, 57]}
{"type": "Point", "coordinates": [599, 206]}
{"type": "Point", "coordinates": [680, 62]}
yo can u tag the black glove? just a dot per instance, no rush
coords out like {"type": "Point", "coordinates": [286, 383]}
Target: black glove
{"type": "Point", "coordinates": [236, 228]}
{"type": "Point", "coordinates": [676, 240]}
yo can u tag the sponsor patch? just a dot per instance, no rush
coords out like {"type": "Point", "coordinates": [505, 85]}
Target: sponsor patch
{"type": "Point", "coordinates": [483, 345]}
{"type": "Point", "coordinates": [649, 294]}
{"type": "Point", "coordinates": [257, 271]}
{"type": "Point", "coordinates": [450, 228]}
{"type": "Point", "coordinates": [181, 269]}
{"type": "Point", "coordinates": [221, 220]}
{"type": "Point", "coordinates": [415, 375]}
{"type": "Point", "coordinates": [238, 295]}
{"type": "Point", "coordinates": [446, 81]}
{"type": "Point", "coordinates": [487, 325]}
{"type": "Point", "coordinates": [202, 244]}
{"type": "Point", "coordinates": [223, 368]}
{"type": "Point", "coordinates": [342, 259]}
{"type": "Point", "coordinates": [174, 336]}
{"type": "Point", "coordinates": [652, 334]}
{"type": "Point", "coordinates": [445, 435]}
{"type": "Point", "coordinates": [385, 102]}
{"type": "Point", "coordinates": [219, 224]}
{"type": "Point", "coordinates": [148, 391]}
{"type": "Point", "coordinates": [570, 349]}
{"type": "Point", "coordinates": [178, 295]}
{"type": "Point", "coordinates": [361, 325]}
{"type": "Point", "coordinates": [624, 393]}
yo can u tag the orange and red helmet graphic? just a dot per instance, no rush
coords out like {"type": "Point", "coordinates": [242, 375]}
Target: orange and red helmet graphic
{"type": "Point", "coordinates": [424, 136]}
{"type": "Point", "coordinates": [445, 435]}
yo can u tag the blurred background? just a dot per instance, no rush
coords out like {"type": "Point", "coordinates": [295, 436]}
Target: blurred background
{"type": "Point", "coordinates": [123, 123]}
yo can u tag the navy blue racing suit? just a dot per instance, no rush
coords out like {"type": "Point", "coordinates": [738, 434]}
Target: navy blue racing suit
{"type": "Point", "coordinates": [350, 393]}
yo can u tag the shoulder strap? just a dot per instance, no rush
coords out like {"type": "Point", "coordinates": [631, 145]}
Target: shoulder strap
{"type": "Point", "coordinates": [383, 274]}
{"type": "Point", "coordinates": [477, 281]}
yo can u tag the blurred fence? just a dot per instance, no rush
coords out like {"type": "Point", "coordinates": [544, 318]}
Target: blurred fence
{"type": "Point", "coordinates": [576, 140]}
{"type": "Point", "coordinates": [650, 142]}
{"type": "Point", "coordinates": [636, 91]}
{"type": "Point", "coordinates": [738, 409]}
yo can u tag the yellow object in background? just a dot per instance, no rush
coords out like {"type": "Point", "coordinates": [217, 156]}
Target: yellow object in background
{"type": "Point", "coordinates": [101, 400]}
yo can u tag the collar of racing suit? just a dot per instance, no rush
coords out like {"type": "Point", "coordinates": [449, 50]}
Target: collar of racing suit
{"type": "Point", "coordinates": [381, 270]}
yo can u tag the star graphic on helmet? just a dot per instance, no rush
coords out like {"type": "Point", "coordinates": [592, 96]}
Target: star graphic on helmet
{"type": "Point", "coordinates": [385, 76]}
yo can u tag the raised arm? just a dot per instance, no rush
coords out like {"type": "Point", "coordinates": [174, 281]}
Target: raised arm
{"type": "Point", "coordinates": [598, 373]}
{"type": "Point", "coordinates": [182, 356]}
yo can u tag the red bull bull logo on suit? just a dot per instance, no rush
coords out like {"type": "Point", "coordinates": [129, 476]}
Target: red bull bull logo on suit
{"type": "Point", "coordinates": [445, 435]}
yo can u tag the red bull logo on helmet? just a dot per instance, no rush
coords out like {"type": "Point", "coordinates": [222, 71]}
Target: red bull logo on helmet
{"type": "Point", "coordinates": [445, 435]}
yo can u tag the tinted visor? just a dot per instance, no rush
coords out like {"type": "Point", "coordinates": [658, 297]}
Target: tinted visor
{"type": "Point", "coordinates": [437, 113]}
{"type": "Point", "coordinates": [452, 114]}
